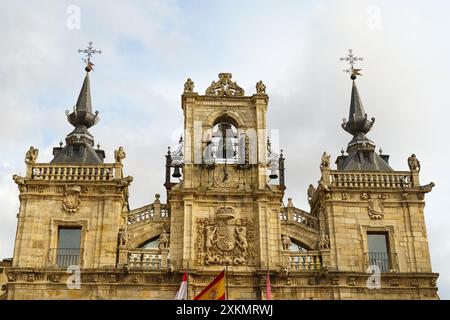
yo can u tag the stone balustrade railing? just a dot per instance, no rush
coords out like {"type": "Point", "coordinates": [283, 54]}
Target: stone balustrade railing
{"type": "Point", "coordinates": [296, 215]}
{"type": "Point", "coordinates": [148, 259]}
{"type": "Point", "coordinates": [302, 261]}
{"type": "Point", "coordinates": [58, 172]}
{"type": "Point", "coordinates": [148, 212]}
{"type": "Point", "coordinates": [370, 180]}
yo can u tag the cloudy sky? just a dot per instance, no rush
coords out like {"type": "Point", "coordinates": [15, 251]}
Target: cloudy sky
{"type": "Point", "coordinates": [151, 47]}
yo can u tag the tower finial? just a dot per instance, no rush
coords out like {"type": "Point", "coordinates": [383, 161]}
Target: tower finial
{"type": "Point", "coordinates": [89, 51]}
{"type": "Point", "coordinates": [351, 59]}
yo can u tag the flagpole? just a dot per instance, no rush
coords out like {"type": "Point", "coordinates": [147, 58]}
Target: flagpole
{"type": "Point", "coordinates": [187, 282]}
{"type": "Point", "coordinates": [226, 281]}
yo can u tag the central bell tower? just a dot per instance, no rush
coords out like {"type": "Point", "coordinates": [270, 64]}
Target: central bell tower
{"type": "Point", "coordinates": [224, 183]}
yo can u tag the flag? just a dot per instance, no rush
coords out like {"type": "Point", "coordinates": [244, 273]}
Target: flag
{"type": "Point", "coordinates": [215, 290]}
{"type": "Point", "coordinates": [182, 292]}
{"type": "Point", "coordinates": [268, 288]}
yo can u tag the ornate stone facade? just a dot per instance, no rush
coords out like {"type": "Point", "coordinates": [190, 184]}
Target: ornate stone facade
{"type": "Point", "coordinates": [224, 188]}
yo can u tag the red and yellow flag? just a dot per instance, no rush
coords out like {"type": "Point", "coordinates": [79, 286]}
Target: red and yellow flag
{"type": "Point", "coordinates": [215, 290]}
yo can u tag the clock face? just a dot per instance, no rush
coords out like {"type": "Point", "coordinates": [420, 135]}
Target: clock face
{"type": "Point", "coordinates": [226, 177]}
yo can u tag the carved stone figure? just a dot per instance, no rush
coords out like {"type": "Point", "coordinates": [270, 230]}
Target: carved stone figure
{"type": "Point", "coordinates": [71, 201]}
{"type": "Point", "coordinates": [427, 188]}
{"type": "Point", "coordinates": [364, 196]}
{"type": "Point", "coordinates": [20, 181]}
{"type": "Point", "coordinates": [311, 192]}
{"type": "Point", "coordinates": [31, 155]}
{"type": "Point", "coordinates": [286, 242]}
{"type": "Point", "coordinates": [163, 240]}
{"type": "Point", "coordinates": [123, 238]}
{"type": "Point", "coordinates": [241, 241]}
{"type": "Point", "coordinates": [325, 161]}
{"type": "Point", "coordinates": [224, 87]}
{"type": "Point", "coordinates": [119, 155]}
{"type": "Point", "coordinates": [260, 87]}
{"type": "Point", "coordinates": [345, 196]}
{"type": "Point", "coordinates": [189, 85]}
{"type": "Point", "coordinates": [210, 237]}
{"type": "Point", "coordinates": [324, 241]}
{"type": "Point", "coordinates": [376, 209]}
{"type": "Point", "coordinates": [413, 163]}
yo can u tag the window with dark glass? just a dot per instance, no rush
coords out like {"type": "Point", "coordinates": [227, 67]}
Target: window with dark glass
{"type": "Point", "coordinates": [379, 251]}
{"type": "Point", "coordinates": [68, 251]}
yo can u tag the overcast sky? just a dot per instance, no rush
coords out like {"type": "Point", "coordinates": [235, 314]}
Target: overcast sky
{"type": "Point", "coordinates": [149, 48]}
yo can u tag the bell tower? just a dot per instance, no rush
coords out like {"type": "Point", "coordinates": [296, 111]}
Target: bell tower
{"type": "Point", "coordinates": [224, 183]}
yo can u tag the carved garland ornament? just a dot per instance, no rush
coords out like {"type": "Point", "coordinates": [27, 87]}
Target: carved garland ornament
{"type": "Point", "coordinates": [225, 240]}
{"type": "Point", "coordinates": [71, 201]}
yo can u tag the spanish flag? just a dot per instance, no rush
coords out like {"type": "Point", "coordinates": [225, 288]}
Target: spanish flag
{"type": "Point", "coordinates": [215, 290]}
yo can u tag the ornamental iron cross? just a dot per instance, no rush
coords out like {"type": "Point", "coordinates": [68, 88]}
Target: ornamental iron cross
{"type": "Point", "coordinates": [351, 59]}
{"type": "Point", "coordinates": [89, 51]}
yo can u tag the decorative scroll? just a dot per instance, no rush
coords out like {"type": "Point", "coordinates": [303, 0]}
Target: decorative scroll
{"type": "Point", "coordinates": [224, 87]}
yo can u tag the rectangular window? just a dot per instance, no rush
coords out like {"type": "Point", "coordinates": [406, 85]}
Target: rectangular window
{"type": "Point", "coordinates": [379, 251]}
{"type": "Point", "coordinates": [68, 251]}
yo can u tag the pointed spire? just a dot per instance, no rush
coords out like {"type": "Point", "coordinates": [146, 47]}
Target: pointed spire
{"type": "Point", "coordinates": [79, 146]}
{"type": "Point", "coordinates": [357, 122]}
{"type": "Point", "coordinates": [84, 98]}
{"type": "Point", "coordinates": [82, 113]}
{"type": "Point", "coordinates": [361, 150]}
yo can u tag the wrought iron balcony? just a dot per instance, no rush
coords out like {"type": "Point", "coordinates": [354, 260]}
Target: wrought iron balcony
{"type": "Point", "coordinates": [68, 257]}
{"type": "Point", "coordinates": [386, 262]}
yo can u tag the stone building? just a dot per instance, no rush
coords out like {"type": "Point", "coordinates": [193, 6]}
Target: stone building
{"type": "Point", "coordinates": [364, 236]}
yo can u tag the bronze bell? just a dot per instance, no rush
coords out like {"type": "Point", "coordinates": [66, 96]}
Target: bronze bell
{"type": "Point", "coordinates": [273, 172]}
{"type": "Point", "coordinates": [176, 172]}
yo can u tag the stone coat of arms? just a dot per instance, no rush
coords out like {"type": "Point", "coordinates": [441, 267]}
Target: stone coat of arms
{"type": "Point", "coordinates": [71, 201]}
{"type": "Point", "coordinates": [226, 240]}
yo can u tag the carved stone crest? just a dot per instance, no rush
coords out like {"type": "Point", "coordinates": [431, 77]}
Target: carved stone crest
{"type": "Point", "coordinates": [224, 87]}
{"type": "Point", "coordinates": [226, 240]}
{"type": "Point", "coordinates": [71, 201]}
{"type": "Point", "coordinates": [376, 209]}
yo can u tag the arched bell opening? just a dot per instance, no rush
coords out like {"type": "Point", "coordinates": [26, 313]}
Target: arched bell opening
{"type": "Point", "coordinates": [223, 145]}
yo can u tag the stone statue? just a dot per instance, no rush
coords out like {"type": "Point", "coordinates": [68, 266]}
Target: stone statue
{"type": "Point", "coordinates": [163, 240]}
{"type": "Point", "coordinates": [241, 241]}
{"type": "Point", "coordinates": [31, 155]}
{"type": "Point", "coordinates": [210, 234]}
{"type": "Point", "coordinates": [123, 238]}
{"type": "Point", "coordinates": [119, 155]}
{"type": "Point", "coordinates": [260, 88]}
{"type": "Point", "coordinates": [324, 241]}
{"type": "Point", "coordinates": [325, 161]}
{"type": "Point", "coordinates": [286, 242]}
{"type": "Point", "coordinates": [413, 163]}
{"type": "Point", "coordinates": [311, 192]}
{"type": "Point", "coordinates": [189, 85]}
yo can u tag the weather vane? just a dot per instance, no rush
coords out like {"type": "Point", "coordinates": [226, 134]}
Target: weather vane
{"type": "Point", "coordinates": [351, 59]}
{"type": "Point", "coordinates": [89, 51]}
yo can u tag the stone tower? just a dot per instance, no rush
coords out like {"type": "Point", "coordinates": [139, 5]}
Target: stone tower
{"type": "Point", "coordinates": [71, 211]}
{"type": "Point", "coordinates": [226, 210]}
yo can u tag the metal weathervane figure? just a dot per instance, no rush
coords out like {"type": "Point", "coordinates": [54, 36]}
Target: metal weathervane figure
{"type": "Point", "coordinates": [89, 51]}
{"type": "Point", "coordinates": [351, 59]}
